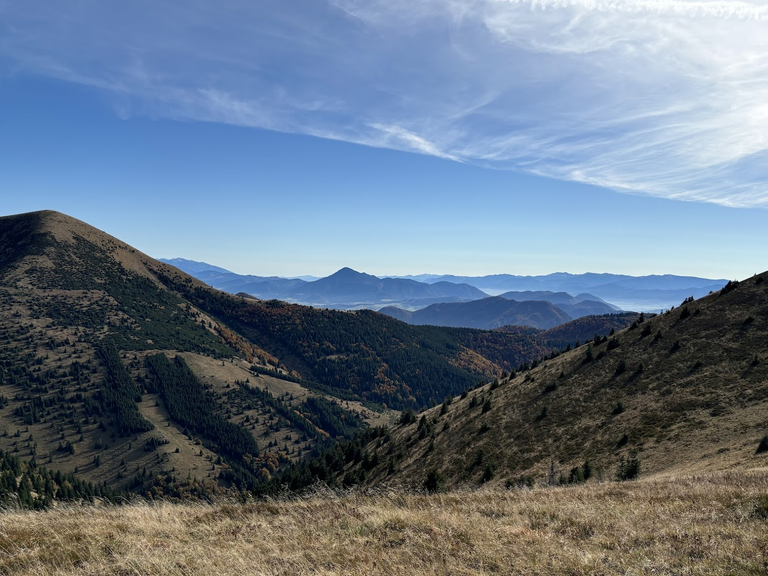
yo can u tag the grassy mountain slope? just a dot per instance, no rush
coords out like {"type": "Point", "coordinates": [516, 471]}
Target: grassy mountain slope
{"type": "Point", "coordinates": [66, 290]}
{"type": "Point", "coordinates": [687, 391]}
{"type": "Point", "coordinates": [584, 328]}
{"type": "Point", "coordinates": [709, 525]}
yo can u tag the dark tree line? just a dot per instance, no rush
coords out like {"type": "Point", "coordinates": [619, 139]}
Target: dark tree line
{"type": "Point", "coordinates": [332, 418]}
{"type": "Point", "coordinates": [192, 406]}
{"type": "Point", "coordinates": [329, 464]}
{"type": "Point", "coordinates": [31, 486]}
{"type": "Point", "coordinates": [118, 394]}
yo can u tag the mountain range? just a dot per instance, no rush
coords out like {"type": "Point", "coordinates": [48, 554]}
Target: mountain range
{"type": "Point", "coordinates": [120, 372]}
{"type": "Point", "coordinates": [437, 304]}
{"type": "Point", "coordinates": [640, 293]}
{"type": "Point", "coordinates": [486, 314]}
{"type": "Point", "coordinates": [537, 309]}
{"type": "Point", "coordinates": [131, 374]}
{"type": "Point", "coordinates": [681, 393]}
{"type": "Point", "coordinates": [347, 289]}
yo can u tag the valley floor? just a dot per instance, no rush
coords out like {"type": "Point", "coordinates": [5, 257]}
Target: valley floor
{"type": "Point", "coordinates": [716, 524]}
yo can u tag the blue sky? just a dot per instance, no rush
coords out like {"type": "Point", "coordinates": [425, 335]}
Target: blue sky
{"type": "Point", "coordinates": [446, 136]}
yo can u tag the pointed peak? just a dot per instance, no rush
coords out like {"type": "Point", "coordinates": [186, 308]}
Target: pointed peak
{"type": "Point", "coordinates": [347, 272]}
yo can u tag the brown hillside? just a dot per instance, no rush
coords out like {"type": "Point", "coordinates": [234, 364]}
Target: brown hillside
{"type": "Point", "coordinates": [687, 391]}
{"type": "Point", "coordinates": [64, 287]}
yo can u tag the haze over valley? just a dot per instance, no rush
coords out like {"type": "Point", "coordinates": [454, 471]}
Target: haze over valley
{"type": "Point", "coordinates": [348, 289]}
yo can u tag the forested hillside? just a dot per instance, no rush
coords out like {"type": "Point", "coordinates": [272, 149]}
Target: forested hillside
{"type": "Point", "coordinates": [682, 392]}
{"type": "Point", "coordinates": [373, 356]}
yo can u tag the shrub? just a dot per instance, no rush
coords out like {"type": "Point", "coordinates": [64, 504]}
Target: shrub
{"type": "Point", "coordinates": [579, 474]}
{"type": "Point", "coordinates": [763, 446]}
{"type": "Point", "coordinates": [488, 473]}
{"type": "Point", "coordinates": [434, 482]}
{"type": "Point", "coordinates": [732, 285]}
{"type": "Point", "coordinates": [550, 388]}
{"type": "Point", "coordinates": [487, 406]}
{"type": "Point", "coordinates": [619, 409]}
{"type": "Point", "coordinates": [628, 468]}
{"type": "Point", "coordinates": [521, 482]}
{"type": "Point", "coordinates": [370, 462]}
{"type": "Point", "coordinates": [407, 417]}
{"type": "Point", "coordinates": [760, 510]}
{"type": "Point", "coordinates": [622, 441]}
{"type": "Point", "coordinates": [675, 347]}
{"type": "Point", "coordinates": [696, 365]}
{"type": "Point", "coordinates": [543, 414]}
{"type": "Point", "coordinates": [621, 368]}
{"type": "Point", "coordinates": [576, 476]}
{"type": "Point", "coordinates": [426, 428]}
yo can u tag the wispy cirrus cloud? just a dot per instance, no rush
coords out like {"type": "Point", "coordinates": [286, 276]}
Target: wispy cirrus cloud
{"type": "Point", "coordinates": [660, 97]}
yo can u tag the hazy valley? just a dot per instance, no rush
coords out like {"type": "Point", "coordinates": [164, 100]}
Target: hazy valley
{"type": "Point", "coordinates": [576, 294]}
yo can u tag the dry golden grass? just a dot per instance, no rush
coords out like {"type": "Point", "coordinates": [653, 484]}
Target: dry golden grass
{"type": "Point", "coordinates": [703, 525]}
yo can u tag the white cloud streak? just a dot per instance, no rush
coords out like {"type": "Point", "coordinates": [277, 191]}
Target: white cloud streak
{"type": "Point", "coordinates": [667, 98]}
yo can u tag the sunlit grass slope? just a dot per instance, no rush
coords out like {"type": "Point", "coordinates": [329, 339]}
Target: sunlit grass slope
{"type": "Point", "coordinates": [713, 524]}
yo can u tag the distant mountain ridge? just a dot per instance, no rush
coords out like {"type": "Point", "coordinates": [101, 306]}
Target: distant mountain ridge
{"type": "Point", "coordinates": [346, 289]}
{"type": "Point", "coordinates": [641, 293]}
{"type": "Point", "coordinates": [348, 286]}
{"type": "Point", "coordinates": [575, 306]}
{"type": "Point", "coordinates": [193, 267]}
{"type": "Point", "coordinates": [485, 314]}
{"type": "Point", "coordinates": [541, 310]}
